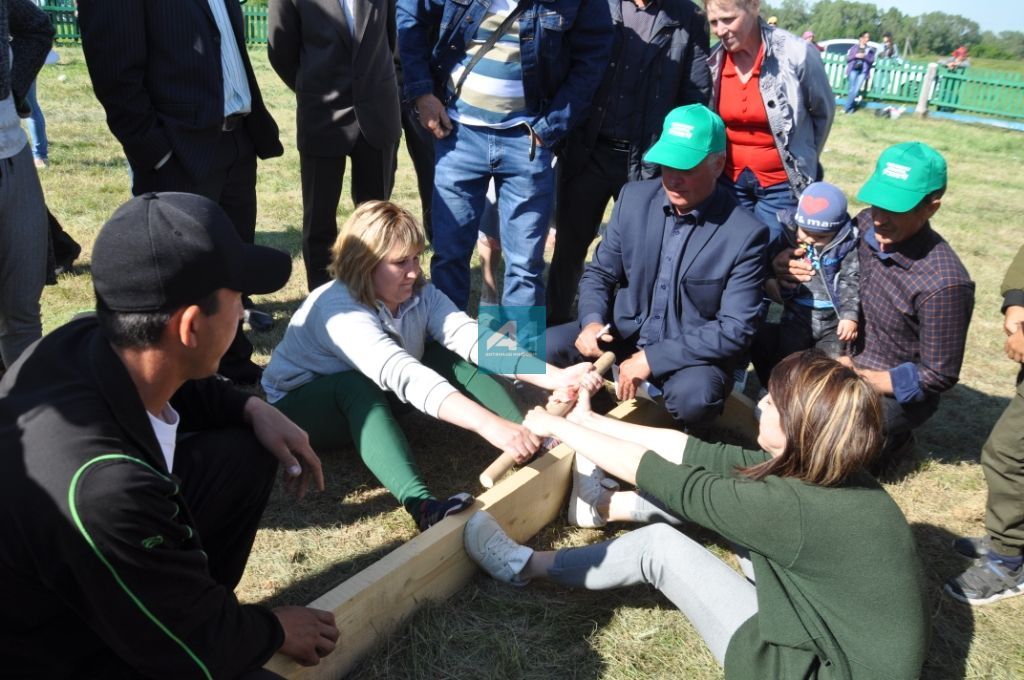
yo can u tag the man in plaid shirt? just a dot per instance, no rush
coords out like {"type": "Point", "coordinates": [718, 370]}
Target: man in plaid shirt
{"type": "Point", "coordinates": [916, 296]}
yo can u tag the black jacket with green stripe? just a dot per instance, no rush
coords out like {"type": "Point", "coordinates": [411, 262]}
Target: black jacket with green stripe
{"type": "Point", "coordinates": [97, 553]}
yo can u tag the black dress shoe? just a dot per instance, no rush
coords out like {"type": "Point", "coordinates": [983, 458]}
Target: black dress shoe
{"type": "Point", "coordinates": [245, 373]}
{"type": "Point", "coordinates": [259, 321]}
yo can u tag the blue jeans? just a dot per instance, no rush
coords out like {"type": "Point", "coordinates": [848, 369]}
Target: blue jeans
{"type": "Point", "coordinates": [764, 202]}
{"type": "Point", "coordinates": [36, 126]}
{"type": "Point", "coordinates": [857, 79]}
{"type": "Point", "coordinates": [466, 161]}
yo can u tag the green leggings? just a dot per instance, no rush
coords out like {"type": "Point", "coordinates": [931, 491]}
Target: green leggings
{"type": "Point", "coordinates": [346, 408]}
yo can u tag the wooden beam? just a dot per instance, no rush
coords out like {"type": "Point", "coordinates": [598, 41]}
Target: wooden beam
{"type": "Point", "coordinates": [432, 566]}
{"type": "Point", "coordinates": [738, 416]}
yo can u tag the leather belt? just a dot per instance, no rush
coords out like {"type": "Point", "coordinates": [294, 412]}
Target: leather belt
{"type": "Point", "coordinates": [233, 122]}
{"type": "Point", "coordinates": [614, 144]}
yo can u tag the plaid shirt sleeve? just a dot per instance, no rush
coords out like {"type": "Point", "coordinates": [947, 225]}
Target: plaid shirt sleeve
{"type": "Point", "coordinates": [943, 317]}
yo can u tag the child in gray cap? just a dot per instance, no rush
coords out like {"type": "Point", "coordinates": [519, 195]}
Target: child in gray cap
{"type": "Point", "coordinates": [821, 312]}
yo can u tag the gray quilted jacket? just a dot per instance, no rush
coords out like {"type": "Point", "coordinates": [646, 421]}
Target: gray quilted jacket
{"type": "Point", "coordinates": [797, 97]}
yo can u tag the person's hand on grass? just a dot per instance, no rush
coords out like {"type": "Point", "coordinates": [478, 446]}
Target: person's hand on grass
{"type": "Point", "coordinates": [309, 634]}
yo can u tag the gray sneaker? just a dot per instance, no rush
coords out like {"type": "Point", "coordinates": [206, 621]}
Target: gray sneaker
{"type": "Point", "coordinates": [589, 486]}
{"type": "Point", "coordinates": [490, 547]}
{"type": "Point", "coordinates": [986, 581]}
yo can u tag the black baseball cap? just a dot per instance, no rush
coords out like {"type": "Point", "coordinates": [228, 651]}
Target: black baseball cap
{"type": "Point", "coordinates": [161, 251]}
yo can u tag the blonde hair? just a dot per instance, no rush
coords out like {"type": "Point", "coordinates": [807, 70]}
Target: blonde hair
{"type": "Point", "coordinates": [750, 6]}
{"type": "Point", "coordinates": [832, 419]}
{"type": "Point", "coordinates": [374, 230]}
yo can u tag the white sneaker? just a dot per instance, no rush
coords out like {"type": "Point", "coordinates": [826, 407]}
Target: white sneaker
{"type": "Point", "coordinates": [589, 486]}
{"type": "Point", "coordinates": [490, 547]}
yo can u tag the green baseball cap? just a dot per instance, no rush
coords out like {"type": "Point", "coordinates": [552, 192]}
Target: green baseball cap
{"type": "Point", "coordinates": [690, 133]}
{"type": "Point", "coordinates": [904, 175]}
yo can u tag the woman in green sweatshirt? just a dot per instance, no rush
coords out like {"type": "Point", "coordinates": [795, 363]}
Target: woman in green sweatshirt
{"type": "Point", "coordinates": [835, 589]}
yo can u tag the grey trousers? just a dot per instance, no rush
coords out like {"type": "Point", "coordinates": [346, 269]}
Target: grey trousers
{"type": "Point", "coordinates": [22, 254]}
{"type": "Point", "coordinates": [713, 596]}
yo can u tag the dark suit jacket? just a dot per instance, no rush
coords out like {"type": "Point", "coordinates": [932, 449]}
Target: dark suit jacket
{"type": "Point", "coordinates": [720, 278]}
{"type": "Point", "coordinates": [156, 69]}
{"type": "Point", "coordinates": [344, 80]}
{"type": "Point", "coordinates": [673, 72]}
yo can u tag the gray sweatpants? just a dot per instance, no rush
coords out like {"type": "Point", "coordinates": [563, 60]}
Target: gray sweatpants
{"type": "Point", "coordinates": [22, 254]}
{"type": "Point", "coordinates": [713, 596]}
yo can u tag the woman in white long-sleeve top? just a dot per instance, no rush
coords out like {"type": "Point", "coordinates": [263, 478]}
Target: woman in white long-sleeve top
{"type": "Point", "coordinates": [379, 337]}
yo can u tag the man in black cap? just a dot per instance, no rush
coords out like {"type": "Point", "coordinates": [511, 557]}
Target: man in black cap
{"type": "Point", "coordinates": [131, 481]}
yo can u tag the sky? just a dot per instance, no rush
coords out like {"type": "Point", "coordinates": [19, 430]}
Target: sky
{"type": "Point", "coordinates": [991, 15]}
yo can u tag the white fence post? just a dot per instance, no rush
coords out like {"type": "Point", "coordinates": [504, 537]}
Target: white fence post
{"type": "Point", "coordinates": [927, 85]}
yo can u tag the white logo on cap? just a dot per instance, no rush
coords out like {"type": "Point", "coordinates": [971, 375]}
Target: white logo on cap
{"type": "Point", "coordinates": [897, 171]}
{"type": "Point", "coordinates": [681, 130]}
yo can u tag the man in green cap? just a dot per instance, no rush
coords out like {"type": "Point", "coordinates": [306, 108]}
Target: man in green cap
{"type": "Point", "coordinates": [916, 296]}
{"type": "Point", "coordinates": [674, 288]}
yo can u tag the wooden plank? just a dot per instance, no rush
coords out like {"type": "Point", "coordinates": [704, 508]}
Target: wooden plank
{"type": "Point", "coordinates": [738, 416]}
{"type": "Point", "coordinates": [433, 566]}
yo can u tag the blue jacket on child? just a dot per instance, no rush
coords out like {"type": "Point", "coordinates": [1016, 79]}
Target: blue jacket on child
{"type": "Point", "coordinates": [836, 284]}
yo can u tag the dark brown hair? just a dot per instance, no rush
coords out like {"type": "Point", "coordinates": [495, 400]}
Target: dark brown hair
{"type": "Point", "coordinates": [831, 417]}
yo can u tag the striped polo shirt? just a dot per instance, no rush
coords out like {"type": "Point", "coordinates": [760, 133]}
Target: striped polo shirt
{"type": "Point", "coordinates": [492, 95]}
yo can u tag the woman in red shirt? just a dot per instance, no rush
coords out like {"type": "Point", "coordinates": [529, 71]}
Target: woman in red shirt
{"type": "Point", "coordinates": [771, 90]}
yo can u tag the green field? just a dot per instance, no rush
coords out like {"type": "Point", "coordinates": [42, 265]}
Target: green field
{"type": "Point", "coordinates": [492, 631]}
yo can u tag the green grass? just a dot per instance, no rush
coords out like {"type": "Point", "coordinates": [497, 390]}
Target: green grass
{"type": "Point", "coordinates": [543, 631]}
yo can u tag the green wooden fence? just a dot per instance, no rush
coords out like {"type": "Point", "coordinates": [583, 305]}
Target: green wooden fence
{"type": "Point", "coordinates": [972, 91]}
{"type": "Point", "coordinates": [975, 91]}
{"type": "Point", "coordinates": [992, 93]}
{"type": "Point", "coordinates": [64, 17]}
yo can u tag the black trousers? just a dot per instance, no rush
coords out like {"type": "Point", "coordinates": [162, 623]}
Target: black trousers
{"type": "Point", "coordinates": [373, 177]}
{"type": "Point", "coordinates": [582, 199]}
{"type": "Point", "coordinates": [419, 142]}
{"type": "Point", "coordinates": [900, 420]}
{"type": "Point", "coordinates": [231, 183]}
{"type": "Point", "coordinates": [226, 478]}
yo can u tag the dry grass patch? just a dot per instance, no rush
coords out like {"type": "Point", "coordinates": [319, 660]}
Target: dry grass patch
{"type": "Point", "coordinates": [492, 631]}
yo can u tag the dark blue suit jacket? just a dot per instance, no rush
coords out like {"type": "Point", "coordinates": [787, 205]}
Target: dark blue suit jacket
{"type": "Point", "coordinates": [721, 277]}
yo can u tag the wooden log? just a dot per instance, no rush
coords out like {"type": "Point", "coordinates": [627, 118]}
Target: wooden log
{"type": "Point", "coordinates": [738, 415]}
{"type": "Point", "coordinates": [433, 566]}
{"type": "Point", "coordinates": [506, 461]}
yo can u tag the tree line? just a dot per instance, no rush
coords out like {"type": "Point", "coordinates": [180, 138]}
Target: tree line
{"type": "Point", "coordinates": [929, 33]}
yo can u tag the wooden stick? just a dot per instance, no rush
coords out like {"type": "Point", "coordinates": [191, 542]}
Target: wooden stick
{"type": "Point", "coordinates": [370, 605]}
{"type": "Point", "coordinates": [506, 461]}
